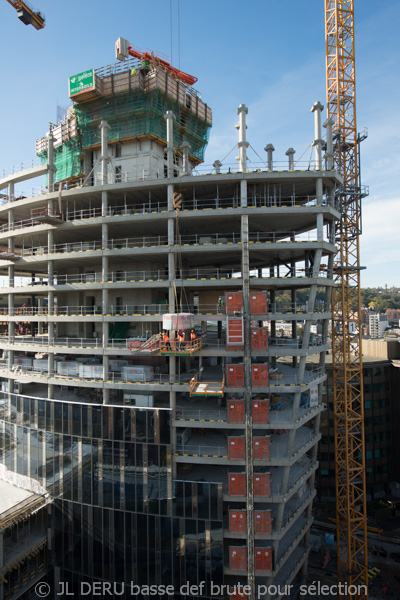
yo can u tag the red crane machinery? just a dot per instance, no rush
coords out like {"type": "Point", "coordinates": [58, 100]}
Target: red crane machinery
{"type": "Point", "coordinates": [123, 49]}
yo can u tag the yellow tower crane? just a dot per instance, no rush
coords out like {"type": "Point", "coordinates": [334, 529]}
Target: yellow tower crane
{"type": "Point", "coordinates": [351, 520]}
{"type": "Point", "coordinates": [27, 14]}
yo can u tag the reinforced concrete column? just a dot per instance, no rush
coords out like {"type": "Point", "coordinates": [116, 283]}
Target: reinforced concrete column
{"type": "Point", "coordinates": [317, 109]}
{"type": "Point", "coordinates": [329, 155]}
{"type": "Point", "coordinates": [50, 162]}
{"type": "Point", "coordinates": [104, 158]}
{"type": "Point", "coordinates": [50, 307]}
{"type": "Point", "coordinates": [170, 118]}
{"type": "Point", "coordinates": [273, 321]}
{"type": "Point", "coordinates": [106, 368]}
{"type": "Point", "coordinates": [104, 204]}
{"type": "Point", "coordinates": [281, 505]}
{"type": "Point", "coordinates": [172, 405]}
{"type": "Point", "coordinates": [242, 145]}
{"type": "Point", "coordinates": [290, 154]}
{"type": "Point", "coordinates": [248, 406]}
{"type": "Point", "coordinates": [11, 220]}
{"type": "Point", "coordinates": [11, 324]}
{"type": "Point", "coordinates": [217, 164]}
{"type": "Point", "coordinates": [269, 149]}
{"type": "Point", "coordinates": [185, 146]}
{"type": "Point", "coordinates": [242, 111]}
{"type": "Point", "coordinates": [320, 227]}
{"type": "Point", "coordinates": [327, 308]}
{"type": "Point", "coordinates": [105, 311]}
{"type": "Point", "coordinates": [171, 286]}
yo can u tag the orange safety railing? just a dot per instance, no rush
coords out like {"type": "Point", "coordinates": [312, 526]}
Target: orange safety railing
{"type": "Point", "coordinates": [135, 345]}
{"type": "Point", "coordinates": [176, 347]}
{"type": "Point", "coordinates": [208, 388]}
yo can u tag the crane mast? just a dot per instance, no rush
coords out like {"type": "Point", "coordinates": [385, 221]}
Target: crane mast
{"type": "Point", "coordinates": [351, 520]}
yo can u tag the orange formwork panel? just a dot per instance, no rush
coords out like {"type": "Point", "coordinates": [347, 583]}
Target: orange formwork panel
{"type": "Point", "coordinates": [263, 559]}
{"type": "Point", "coordinates": [260, 411]}
{"type": "Point", "coordinates": [259, 338]}
{"type": "Point", "coordinates": [234, 375]}
{"type": "Point", "coordinates": [237, 484]}
{"type": "Point", "coordinates": [235, 594]}
{"type": "Point", "coordinates": [262, 521]}
{"type": "Point", "coordinates": [258, 303]}
{"type": "Point", "coordinates": [233, 302]}
{"type": "Point", "coordinates": [262, 485]}
{"type": "Point", "coordinates": [261, 448]}
{"type": "Point", "coordinates": [259, 375]}
{"type": "Point", "coordinates": [236, 447]}
{"type": "Point", "coordinates": [238, 558]}
{"type": "Point", "coordinates": [236, 411]}
{"type": "Point", "coordinates": [237, 521]}
{"type": "Point", "coordinates": [234, 333]}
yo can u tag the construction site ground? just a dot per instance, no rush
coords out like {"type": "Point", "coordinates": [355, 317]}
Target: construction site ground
{"type": "Point", "coordinates": [383, 554]}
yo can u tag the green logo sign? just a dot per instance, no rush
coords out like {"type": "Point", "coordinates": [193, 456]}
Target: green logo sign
{"type": "Point", "coordinates": [80, 82]}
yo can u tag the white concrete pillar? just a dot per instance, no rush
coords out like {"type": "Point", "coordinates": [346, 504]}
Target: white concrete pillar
{"type": "Point", "coordinates": [290, 153]}
{"type": "Point", "coordinates": [242, 144]}
{"type": "Point", "coordinates": [50, 162]}
{"type": "Point", "coordinates": [11, 191]}
{"type": "Point", "coordinates": [104, 158]}
{"type": "Point", "coordinates": [320, 227]}
{"type": "Point", "coordinates": [317, 109]}
{"type": "Point", "coordinates": [170, 118]}
{"type": "Point", "coordinates": [104, 204]}
{"type": "Point", "coordinates": [329, 155]}
{"type": "Point", "coordinates": [269, 149]}
{"type": "Point", "coordinates": [185, 146]}
{"type": "Point", "coordinates": [217, 164]}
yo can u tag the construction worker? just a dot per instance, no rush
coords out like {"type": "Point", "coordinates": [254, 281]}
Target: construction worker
{"type": "Point", "coordinates": [166, 341]}
{"type": "Point", "coordinates": [192, 335]}
{"type": "Point", "coordinates": [181, 339]}
{"type": "Point", "coordinates": [220, 305]}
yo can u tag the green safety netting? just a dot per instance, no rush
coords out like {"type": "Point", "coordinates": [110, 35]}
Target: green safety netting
{"type": "Point", "coordinates": [118, 330]}
{"type": "Point", "coordinates": [67, 159]}
{"type": "Point", "coordinates": [136, 113]}
{"type": "Point", "coordinates": [128, 114]}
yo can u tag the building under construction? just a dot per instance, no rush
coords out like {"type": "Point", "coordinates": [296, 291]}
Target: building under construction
{"type": "Point", "coordinates": [161, 371]}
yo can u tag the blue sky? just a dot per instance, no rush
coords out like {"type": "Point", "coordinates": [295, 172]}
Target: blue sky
{"type": "Point", "coordinates": [267, 54]}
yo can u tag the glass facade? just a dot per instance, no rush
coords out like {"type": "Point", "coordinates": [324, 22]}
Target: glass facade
{"type": "Point", "coordinates": [118, 515]}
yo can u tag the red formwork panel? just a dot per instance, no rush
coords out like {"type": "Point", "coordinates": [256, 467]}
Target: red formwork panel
{"type": "Point", "coordinates": [259, 338]}
{"type": "Point", "coordinates": [261, 448]}
{"type": "Point", "coordinates": [237, 521]}
{"type": "Point", "coordinates": [263, 559]}
{"type": "Point", "coordinates": [236, 447]}
{"type": "Point", "coordinates": [236, 412]}
{"type": "Point", "coordinates": [260, 412]}
{"type": "Point", "coordinates": [236, 595]}
{"type": "Point", "coordinates": [259, 375]}
{"type": "Point", "coordinates": [262, 484]}
{"type": "Point", "coordinates": [258, 303]}
{"type": "Point", "coordinates": [237, 484]}
{"type": "Point", "coordinates": [233, 302]}
{"type": "Point", "coordinates": [234, 376]}
{"type": "Point", "coordinates": [237, 558]}
{"type": "Point", "coordinates": [234, 333]}
{"type": "Point", "coordinates": [262, 521]}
